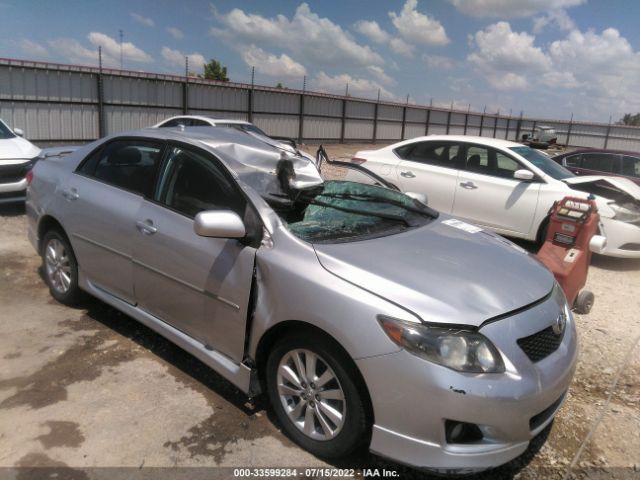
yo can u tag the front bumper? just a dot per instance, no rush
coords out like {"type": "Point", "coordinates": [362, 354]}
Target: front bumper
{"type": "Point", "coordinates": [623, 239]}
{"type": "Point", "coordinates": [13, 192]}
{"type": "Point", "coordinates": [412, 398]}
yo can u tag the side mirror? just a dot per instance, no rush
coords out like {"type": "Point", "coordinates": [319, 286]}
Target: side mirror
{"type": "Point", "coordinates": [19, 132]}
{"type": "Point", "coordinates": [421, 197]}
{"type": "Point", "coordinates": [597, 243]}
{"type": "Point", "coordinates": [219, 224]}
{"type": "Point", "coordinates": [523, 174]}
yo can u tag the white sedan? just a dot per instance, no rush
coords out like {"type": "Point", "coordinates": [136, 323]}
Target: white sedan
{"type": "Point", "coordinates": [505, 186]}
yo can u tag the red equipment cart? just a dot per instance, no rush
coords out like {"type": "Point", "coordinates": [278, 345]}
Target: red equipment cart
{"type": "Point", "coordinates": [571, 236]}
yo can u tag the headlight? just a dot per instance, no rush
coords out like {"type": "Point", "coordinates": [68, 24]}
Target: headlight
{"type": "Point", "coordinates": [455, 348]}
{"type": "Point", "coordinates": [624, 214]}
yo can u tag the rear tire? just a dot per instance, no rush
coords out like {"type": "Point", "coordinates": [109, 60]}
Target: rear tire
{"type": "Point", "coordinates": [60, 268]}
{"type": "Point", "coordinates": [312, 387]}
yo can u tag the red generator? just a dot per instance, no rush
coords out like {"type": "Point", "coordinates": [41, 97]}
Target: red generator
{"type": "Point", "coordinates": [571, 237]}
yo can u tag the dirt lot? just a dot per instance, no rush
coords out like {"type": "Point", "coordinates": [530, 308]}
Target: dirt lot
{"type": "Point", "coordinates": [88, 387]}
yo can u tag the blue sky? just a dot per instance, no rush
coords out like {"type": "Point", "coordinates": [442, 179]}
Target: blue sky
{"type": "Point", "coordinates": [548, 58]}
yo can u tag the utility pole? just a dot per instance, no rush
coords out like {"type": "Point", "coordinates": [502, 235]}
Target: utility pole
{"type": "Point", "coordinates": [121, 37]}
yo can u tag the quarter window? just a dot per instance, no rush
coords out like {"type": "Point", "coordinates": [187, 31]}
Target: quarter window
{"type": "Point", "coordinates": [631, 166]}
{"type": "Point", "coordinates": [191, 182]}
{"type": "Point", "coordinates": [127, 164]}
{"type": "Point", "coordinates": [573, 161]}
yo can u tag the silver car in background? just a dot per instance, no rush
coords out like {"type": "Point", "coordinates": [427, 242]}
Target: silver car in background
{"type": "Point", "coordinates": [365, 316]}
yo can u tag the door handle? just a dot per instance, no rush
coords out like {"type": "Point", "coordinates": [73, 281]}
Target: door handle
{"type": "Point", "coordinates": [146, 227]}
{"type": "Point", "coordinates": [408, 174]}
{"type": "Point", "coordinates": [70, 194]}
{"type": "Point", "coordinates": [468, 185]}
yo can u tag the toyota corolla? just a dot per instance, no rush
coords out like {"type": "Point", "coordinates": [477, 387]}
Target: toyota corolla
{"type": "Point", "coordinates": [364, 315]}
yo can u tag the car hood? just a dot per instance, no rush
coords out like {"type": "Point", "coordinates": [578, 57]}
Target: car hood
{"type": "Point", "coordinates": [624, 185]}
{"type": "Point", "coordinates": [17, 148]}
{"type": "Point", "coordinates": [441, 272]}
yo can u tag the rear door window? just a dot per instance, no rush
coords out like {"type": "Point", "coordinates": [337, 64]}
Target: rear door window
{"type": "Point", "coordinates": [127, 164]}
{"type": "Point", "coordinates": [431, 153]}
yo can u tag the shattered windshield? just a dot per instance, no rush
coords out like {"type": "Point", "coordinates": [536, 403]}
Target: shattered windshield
{"type": "Point", "coordinates": [343, 211]}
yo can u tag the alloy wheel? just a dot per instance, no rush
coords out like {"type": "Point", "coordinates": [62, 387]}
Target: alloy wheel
{"type": "Point", "coordinates": [57, 265]}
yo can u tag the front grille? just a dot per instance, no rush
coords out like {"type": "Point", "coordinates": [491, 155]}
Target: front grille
{"type": "Point", "coordinates": [13, 173]}
{"type": "Point", "coordinates": [541, 344]}
{"type": "Point", "coordinates": [544, 415]}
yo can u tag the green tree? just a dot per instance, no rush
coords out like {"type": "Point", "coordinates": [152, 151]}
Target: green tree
{"type": "Point", "coordinates": [279, 85]}
{"type": "Point", "coordinates": [630, 119]}
{"type": "Point", "coordinates": [214, 70]}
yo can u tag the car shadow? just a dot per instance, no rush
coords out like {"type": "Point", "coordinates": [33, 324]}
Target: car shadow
{"type": "Point", "coordinates": [12, 209]}
{"type": "Point", "coordinates": [615, 264]}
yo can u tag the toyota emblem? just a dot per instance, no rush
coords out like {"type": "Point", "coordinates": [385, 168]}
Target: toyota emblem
{"type": "Point", "coordinates": [561, 322]}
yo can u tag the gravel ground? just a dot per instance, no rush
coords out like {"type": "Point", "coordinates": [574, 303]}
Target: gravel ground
{"type": "Point", "coordinates": [88, 387]}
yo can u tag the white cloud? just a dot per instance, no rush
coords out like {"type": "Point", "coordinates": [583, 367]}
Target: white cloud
{"type": "Point", "coordinates": [272, 65]}
{"type": "Point", "coordinates": [507, 58]}
{"type": "Point", "coordinates": [417, 27]}
{"type": "Point", "coordinates": [175, 33]}
{"type": "Point", "coordinates": [510, 8]}
{"type": "Point", "coordinates": [74, 52]}
{"type": "Point", "coordinates": [557, 18]}
{"type": "Point", "coordinates": [399, 46]}
{"type": "Point", "coordinates": [177, 58]}
{"type": "Point", "coordinates": [306, 34]}
{"type": "Point", "coordinates": [111, 48]}
{"type": "Point", "coordinates": [381, 75]}
{"type": "Point", "coordinates": [146, 21]}
{"type": "Point", "coordinates": [32, 48]}
{"type": "Point", "coordinates": [594, 74]}
{"type": "Point", "coordinates": [438, 62]}
{"type": "Point", "coordinates": [372, 31]}
{"type": "Point", "coordinates": [357, 86]}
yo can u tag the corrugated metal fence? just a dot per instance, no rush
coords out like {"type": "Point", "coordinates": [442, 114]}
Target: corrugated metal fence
{"type": "Point", "coordinates": [56, 104]}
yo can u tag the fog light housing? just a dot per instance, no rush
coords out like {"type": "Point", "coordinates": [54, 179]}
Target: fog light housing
{"type": "Point", "coordinates": [461, 432]}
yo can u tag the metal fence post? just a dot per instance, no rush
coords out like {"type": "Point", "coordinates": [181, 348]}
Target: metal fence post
{"type": "Point", "coordinates": [482, 120]}
{"type": "Point", "coordinates": [101, 129]}
{"type": "Point", "coordinates": [448, 121]}
{"type": "Point", "coordinates": [185, 91]}
{"type": "Point", "coordinates": [375, 121]}
{"type": "Point", "coordinates": [606, 137]}
{"type": "Point", "coordinates": [344, 114]}
{"type": "Point", "coordinates": [404, 121]}
{"type": "Point", "coordinates": [301, 113]}
{"type": "Point", "coordinates": [569, 129]}
{"type": "Point", "coordinates": [506, 132]}
{"type": "Point", "coordinates": [495, 124]}
{"type": "Point", "coordinates": [466, 119]}
{"type": "Point", "coordinates": [426, 125]}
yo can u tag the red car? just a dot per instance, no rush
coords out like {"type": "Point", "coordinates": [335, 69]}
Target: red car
{"type": "Point", "coordinates": [589, 161]}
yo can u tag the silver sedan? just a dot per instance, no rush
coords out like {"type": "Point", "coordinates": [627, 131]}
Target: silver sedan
{"type": "Point", "coordinates": [363, 314]}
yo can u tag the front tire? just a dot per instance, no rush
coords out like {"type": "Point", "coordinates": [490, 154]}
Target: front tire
{"type": "Point", "coordinates": [313, 391]}
{"type": "Point", "coordinates": [60, 268]}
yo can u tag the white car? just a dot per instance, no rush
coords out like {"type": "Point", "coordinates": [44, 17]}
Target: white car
{"type": "Point", "coordinates": [182, 121]}
{"type": "Point", "coordinates": [505, 186]}
{"type": "Point", "coordinates": [17, 156]}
